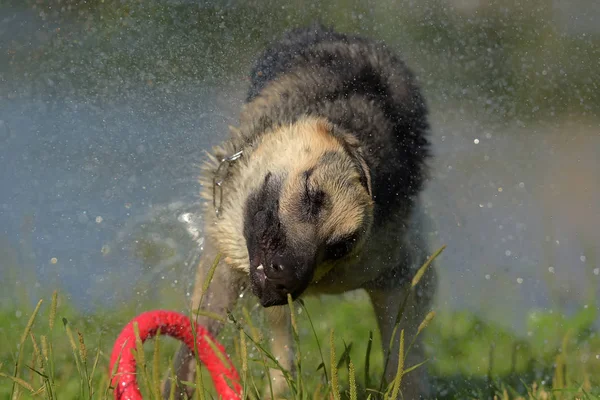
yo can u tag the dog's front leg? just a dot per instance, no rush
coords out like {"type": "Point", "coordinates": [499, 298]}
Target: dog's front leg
{"type": "Point", "coordinates": [221, 296]}
{"type": "Point", "coordinates": [386, 303]}
{"type": "Point", "coordinates": [280, 333]}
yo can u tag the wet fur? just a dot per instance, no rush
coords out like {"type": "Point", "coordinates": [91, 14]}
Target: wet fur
{"type": "Point", "coordinates": [328, 105]}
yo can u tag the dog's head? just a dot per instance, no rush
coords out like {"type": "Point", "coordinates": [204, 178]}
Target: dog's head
{"type": "Point", "coordinates": [309, 208]}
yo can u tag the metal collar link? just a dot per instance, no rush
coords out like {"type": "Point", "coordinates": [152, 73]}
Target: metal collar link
{"type": "Point", "coordinates": [219, 177]}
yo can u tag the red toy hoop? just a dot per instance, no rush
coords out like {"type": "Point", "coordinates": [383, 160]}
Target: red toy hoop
{"type": "Point", "coordinates": [177, 326]}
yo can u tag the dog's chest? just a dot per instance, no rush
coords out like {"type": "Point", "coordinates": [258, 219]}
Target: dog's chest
{"type": "Point", "coordinates": [384, 250]}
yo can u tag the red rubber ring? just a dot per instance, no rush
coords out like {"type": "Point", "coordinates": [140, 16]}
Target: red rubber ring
{"type": "Point", "coordinates": [177, 326]}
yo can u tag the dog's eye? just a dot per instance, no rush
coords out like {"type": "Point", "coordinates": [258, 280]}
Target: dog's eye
{"type": "Point", "coordinates": [340, 247]}
{"type": "Point", "coordinates": [312, 199]}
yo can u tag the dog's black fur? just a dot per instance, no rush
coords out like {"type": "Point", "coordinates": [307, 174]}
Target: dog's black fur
{"type": "Point", "coordinates": [361, 86]}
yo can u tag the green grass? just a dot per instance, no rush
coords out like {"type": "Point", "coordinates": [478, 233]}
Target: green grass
{"type": "Point", "coordinates": [52, 351]}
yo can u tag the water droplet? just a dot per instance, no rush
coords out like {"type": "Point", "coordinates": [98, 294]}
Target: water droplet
{"type": "Point", "coordinates": [596, 271]}
{"type": "Point", "coordinates": [507, 253]}
{"type": "Point", "coordinates": [185, 217]}
{"type": "Point", "coordinates": [582, 258]}
{"type": "Point", "coordinates": [488, 277]}
{"type": "Point", "coordinates": [551, 270]}
{"type": "Point", "coordinates": [82, 217]}
{"type": "Point", "coordinates": [519, 280]}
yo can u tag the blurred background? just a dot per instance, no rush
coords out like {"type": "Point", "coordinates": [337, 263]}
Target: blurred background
{"type": "Point", "coordinates": [106, 108]}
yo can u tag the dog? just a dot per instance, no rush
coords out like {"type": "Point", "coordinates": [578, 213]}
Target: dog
{"type": "Point", "coordinates": [317, 192]}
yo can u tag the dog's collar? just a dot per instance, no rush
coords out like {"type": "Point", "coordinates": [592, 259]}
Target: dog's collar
{"type": "Point", "coordinates": [219, 177]}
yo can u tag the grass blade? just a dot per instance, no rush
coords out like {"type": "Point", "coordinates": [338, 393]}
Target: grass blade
{"type": "Point", "coordinates": [415, 281]}
{"type": "Point", "coordinates": [209, 278]}
{"type": "Point", "coordinates": [83, 356]}
{"type": "Point", "coordinates": [244, 357]}
{"type": "Point", "coordinates": [428, 318]}
{"type": "Point", "coordinates": [94, 366]}
{"type": "Point", "coordinates": [75, 351]}
{"type": "Point", "coordinates": [400, 370]}
{"type": "Point", "coordinates": [407, 370]}
{"type": "Point", "coordinates": [47, 353]}
{"type": "Point", "coordinates": [198, 376]}
{"type": "Point", "coordinates": [335, 388]}
{"type": "Point", "coordinates": [18, 381]}
{"type": "Point", "coordinates": [141, 357]}
{"type": "Point", "coordinates": [368, 360]}
{"type": "Point", "coordinates": [345, 357]}
{"type": "Point", "coordinates": [156, 366]}
{"type": "Point", "coordinates": [312, 327]}
{"type": "Point", "coordinates": [14, 392]}
{"type": "Point", "coordinates": [424, 267]}
{"type": "Point", "coordinates": [352, 379]}
{"type": "Point", "coordinates": [300, 383]}
{"type": "Point", "coordinates": [36, 350]}
{"type": "Point", "coordinates": [52, 315]}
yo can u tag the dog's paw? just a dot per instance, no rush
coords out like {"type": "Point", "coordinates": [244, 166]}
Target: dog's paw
{"type": "Point", "coordinates": [279, 386]}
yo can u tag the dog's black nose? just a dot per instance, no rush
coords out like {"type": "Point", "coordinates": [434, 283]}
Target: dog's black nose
{"type": "Point", "coordinates": [282, 277]}
{"type": "Point", "coordinates": [275, 271]}
{"type": "Point", "coordinates": [274, 277]}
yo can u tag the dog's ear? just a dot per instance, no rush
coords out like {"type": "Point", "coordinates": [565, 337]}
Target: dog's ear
{"type": "Point", "coordinates": [352, 146]}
